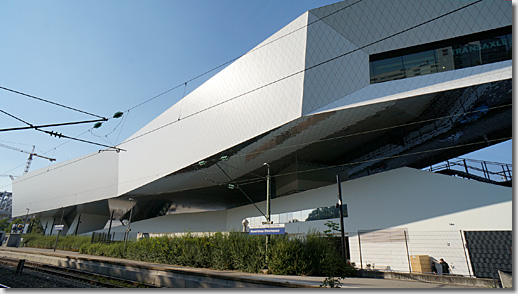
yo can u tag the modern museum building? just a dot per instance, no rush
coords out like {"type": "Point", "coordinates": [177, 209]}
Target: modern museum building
{"type": "Point", "coordinates": [370, 92]}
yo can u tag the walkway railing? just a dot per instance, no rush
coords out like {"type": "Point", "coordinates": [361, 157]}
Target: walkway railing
{"type": "Point", "coordinates": [485, 171]}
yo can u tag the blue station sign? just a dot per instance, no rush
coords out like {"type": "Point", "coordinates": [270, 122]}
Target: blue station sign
{"type": "Point", "coordinates": [271, 229]}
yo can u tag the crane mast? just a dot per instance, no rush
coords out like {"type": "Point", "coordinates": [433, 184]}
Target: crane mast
{"type": "Point", "coordinates": [31, 155]}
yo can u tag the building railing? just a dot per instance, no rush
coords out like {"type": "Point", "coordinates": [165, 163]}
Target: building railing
{"type": "Point", "coordinates": [486, 171]}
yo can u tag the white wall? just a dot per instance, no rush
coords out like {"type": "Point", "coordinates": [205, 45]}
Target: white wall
{"type": "Point", "coordinates": [86, 179]}
{"type": "Point", "coordinates": [205, 123]}
{"type": "Point", "coordinates": [430, 208]}
{"type": "Point", "coordinates": [211, 221]}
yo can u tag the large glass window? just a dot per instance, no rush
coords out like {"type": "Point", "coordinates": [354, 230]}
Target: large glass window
{"type": "Point", "coordinates": [306, 215]}
{"type": "Point", "coordinates": [462, 52]}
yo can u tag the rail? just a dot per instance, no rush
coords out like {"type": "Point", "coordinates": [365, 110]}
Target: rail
{"type": "Point", "coordinates": [87, 277]}
{"type": "Point", "coordinates": [480, 170]}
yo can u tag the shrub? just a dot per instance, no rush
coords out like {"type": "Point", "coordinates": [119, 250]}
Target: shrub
{"type": "Point", "coordinates": [312, 254]}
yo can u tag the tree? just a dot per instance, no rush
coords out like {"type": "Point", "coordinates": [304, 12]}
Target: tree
{"type": "Point", "coordinates": [4, 223]}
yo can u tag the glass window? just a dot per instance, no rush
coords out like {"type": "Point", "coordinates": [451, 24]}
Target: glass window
{"type": "Point", "coordinates": [420, 63]}
{"type": "Point", "coordinates": [388, 69]}
{"type": "Point", "coordinates": [462, 52]}
{"type": "Point", "coordinates": [494, 50]}
{"type": "Point", "coordinates": [385, 66]}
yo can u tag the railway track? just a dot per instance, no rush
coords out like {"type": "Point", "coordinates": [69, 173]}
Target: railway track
{"type": "Point", "coordinates": [96, 280]}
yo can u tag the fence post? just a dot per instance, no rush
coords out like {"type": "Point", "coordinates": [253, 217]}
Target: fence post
{"type": "Point", "coordinates": [407, 254]}
{"type": "Point", "coordinates": [505, 175]}
{"type": "Point", "coordinates": [360, 248]}
{"type": "Point", "coordinates": [465, 255]}
{"type": "Point", "coordinates": [465, 166]}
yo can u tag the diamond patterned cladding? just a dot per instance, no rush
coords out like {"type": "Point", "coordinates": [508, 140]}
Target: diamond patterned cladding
{"type": "Point", "coordinates": [421, 85]}
{"type": "Point", "coordinates": [332, 80]}
{"type": "Point", "coordinates": [222, 116]}
{"type": "Point", "coordinates": [393, 16]}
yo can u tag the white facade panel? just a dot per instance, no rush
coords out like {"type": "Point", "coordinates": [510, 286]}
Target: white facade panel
{"type": "Point", "coordinates": [368, 22]}
{"type": "Point", "coordinates": [421, 85]}
{"type": "Point", "coordinates": [86, 179]}
{"type": "Point", "coordinates": [325, 81]}
{"type": "Point", "coordinates": [230, 108]}
{"type": "Point", "coordinates": [345, 27]}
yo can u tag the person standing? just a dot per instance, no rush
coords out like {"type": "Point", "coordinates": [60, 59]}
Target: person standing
{"type": "Point", "coordinates": [445, 267]}
{"type": "Point", "coordinates": [434, 269]}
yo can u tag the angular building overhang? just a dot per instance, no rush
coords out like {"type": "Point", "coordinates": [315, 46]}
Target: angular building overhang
{"type": "Point", "coordinates": [290, 102]}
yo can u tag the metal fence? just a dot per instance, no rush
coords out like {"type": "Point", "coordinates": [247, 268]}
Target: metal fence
{"type": "Point", "coordinates": [112, 237]}
{"type": "Point", "coordinates": [415, 251]}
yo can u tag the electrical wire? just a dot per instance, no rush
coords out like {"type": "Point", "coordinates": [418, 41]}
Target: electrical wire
{"type": "Point", "coordinates": [345, 136]}
{"type": "Point", "coordinates": [297, 73]}
{"type": "Point", "coordinates": [334, 58]}
{"type": "Point", "coordinates": [250, 181]}
{"type": "Point", "coordinates": [236, 58]}
{"type": "Point", "coordinates": [241, 190]}
{"type": "Point", "coordinates": [54, 103]}
{"type": "Point", "coordinates": [60, 135]}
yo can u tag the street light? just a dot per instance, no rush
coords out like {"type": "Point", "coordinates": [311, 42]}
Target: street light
{"type": "Point", "coordinates": [267, 208]}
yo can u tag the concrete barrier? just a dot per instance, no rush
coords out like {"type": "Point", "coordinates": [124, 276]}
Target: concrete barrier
{"type": "Point", "coordinates": [441, 279]}
{"type": "Point", "coordinates": [155, 274]}
{"type": "Point", "coordinates": [505, 279]}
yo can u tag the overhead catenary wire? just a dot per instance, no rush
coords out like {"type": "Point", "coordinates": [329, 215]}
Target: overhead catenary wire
{"type": "Point", "coordinates": [241, 190]}
{"type": "Point", "coordinates": [236, 58]}
{"type": "Point", "coordinates": [334, 58]}
{"type": "Point", "coordinates": [53, 103]}
{"type": "Point", "coordinates": [60, 135]}
{"type": "Point", "coordinates": [244, 182]}
{"type": "Point", "coordinates": [342, 137]}
{"type": "Point", "coordinates": [316, 141]}
{"type": "Point", "coordinates": [297, 73]}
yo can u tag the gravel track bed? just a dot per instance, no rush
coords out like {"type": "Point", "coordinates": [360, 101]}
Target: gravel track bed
{"type": "Point", "coordinates": [34, 279]}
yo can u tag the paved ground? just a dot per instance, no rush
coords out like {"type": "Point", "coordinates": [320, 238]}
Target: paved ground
{"type": "Point", "coordinates": [365, 283]}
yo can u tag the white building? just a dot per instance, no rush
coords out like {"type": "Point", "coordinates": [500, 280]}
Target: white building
{"type": "Point", "coordinates": [370, 90]}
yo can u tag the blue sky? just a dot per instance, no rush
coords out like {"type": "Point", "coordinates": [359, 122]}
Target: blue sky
{"type": "Point", "coordinates": [108, 56]}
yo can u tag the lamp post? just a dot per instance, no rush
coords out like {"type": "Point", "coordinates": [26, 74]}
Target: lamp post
{"type": "Point", "coordinates": [267, 208]}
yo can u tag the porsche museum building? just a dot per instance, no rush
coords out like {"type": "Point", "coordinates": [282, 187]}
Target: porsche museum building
{"type": "Point", "coordinates": [373, 91]}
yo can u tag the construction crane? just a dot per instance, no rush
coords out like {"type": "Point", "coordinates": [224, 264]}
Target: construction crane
{"type": "Point", "coordinates": [31, 155]}
{"type": "Point", "coordinates": [10, 176]}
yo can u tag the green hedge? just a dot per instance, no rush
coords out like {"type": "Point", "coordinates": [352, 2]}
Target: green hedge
{"type": "Point", "coordinates": [312, 254]}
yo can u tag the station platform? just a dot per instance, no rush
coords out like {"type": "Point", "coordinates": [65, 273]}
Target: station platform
{"type": "Point", "coordinates": [171, 276]}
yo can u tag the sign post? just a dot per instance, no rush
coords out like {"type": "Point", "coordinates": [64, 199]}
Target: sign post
{"type": "Point", "coordinates": [267, 229]}
{"type": "Point", "coordinates": [58, 228]}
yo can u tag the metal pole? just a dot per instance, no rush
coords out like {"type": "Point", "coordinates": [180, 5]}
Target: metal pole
{"type": "Point", "coordinates": [466, 167]}
{"type": "Point", "coordinates": [487, 170]}
{"type": "Point", "coordinates": [484, 170]}
{"type": "Point", "coordinates": [360, 248]}
{"type": "Point", "coordinates": [341, 217]}
{"type": "Point", "coordinates": [505, 175]}
{"type": "Point", "coordinates": [57, 237]}
{"type": "Point", "coordinates": [407, 254]}
{"type": "Point", "coordinates": [465, 255]}
{"type": "Point", "coordinates": [59, 231]}
{"type": "Point", "coordinates": [267, 209]}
